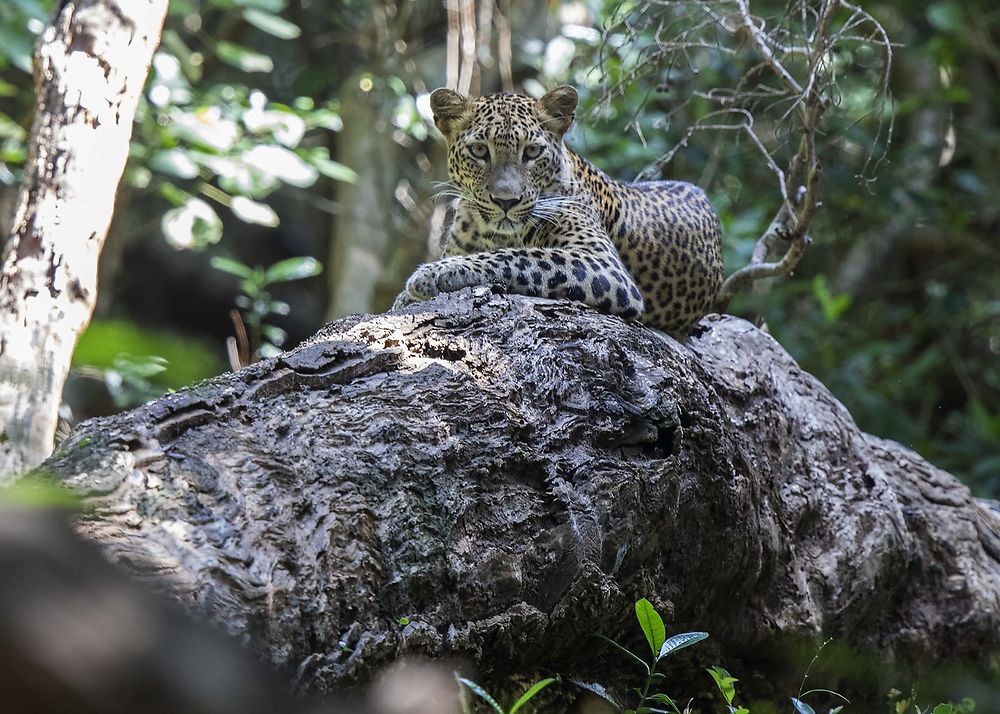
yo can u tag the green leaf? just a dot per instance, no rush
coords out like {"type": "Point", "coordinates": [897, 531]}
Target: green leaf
{"type": "Point", "coordinates": [33, 9]}
{"type": "Point", "coordinates": [403, 621]}
{"type": "Point", "coordinates": [10, 129]}
{"type": "Point", "coordinates": [16, 46]}
{"type": "Point", "coordinates": [147, 366]}
{"type": "Point", "coordinates": [631, 654]}
{"type": "Point", "coordinates": [662, 698]}
{"type": "Point", "coordinates": [651, 623]}
{"type": "Point", "coordinates": [334, 169]}
{"type": "Point", "coordinates": [944, 709]}
{"type": "Point", "coordinates": [268, 5]}
{"type": "Point", "coordinates": [527, 696]}
{"type": "Point", "coordinates": [677, 642]}
{"type": "Point", "coordinates": [481, 693]}
{"type": "Point", "coordinates": [724, 681]}
{"type": "Point", "coordinates": [242, 58]}
{"type": "Point", "coordinates": [946, 17]}
{"type": "Point", "coordinates": [272, 24]}
{"type": "Point", "coordinates": [276, 336]}
{"type": "Point", "coordinates": [37, 490]}
{"type": "Point", "coordinates": [801, 707]}
{"type": "Point", "coordinates": [267, 350]}
{"type": "Point", "coordinates": [233, 267]}
{"type": "Point", "coordinates": [293, 269]}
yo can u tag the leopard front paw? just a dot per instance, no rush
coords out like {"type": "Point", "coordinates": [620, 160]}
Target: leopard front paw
{"type": "Point", "coordinates": [402, 300]}
{"type": "Point", "coordinates": [423, 284]}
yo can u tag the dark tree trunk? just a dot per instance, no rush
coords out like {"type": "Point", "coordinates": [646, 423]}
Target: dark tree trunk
{"type": "Point", "coordinates": [511, 474]}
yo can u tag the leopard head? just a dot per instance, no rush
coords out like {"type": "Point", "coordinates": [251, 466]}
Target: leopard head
{"type": "Point", "coordinates": [505, 151]}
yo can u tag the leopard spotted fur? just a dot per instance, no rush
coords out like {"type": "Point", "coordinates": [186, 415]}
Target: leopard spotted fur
{"type": "Point", "coordinates": [540, 220]}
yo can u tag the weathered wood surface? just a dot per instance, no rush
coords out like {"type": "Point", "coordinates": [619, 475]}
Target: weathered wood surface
{"type": "Point", "coordinates": [511, 474]}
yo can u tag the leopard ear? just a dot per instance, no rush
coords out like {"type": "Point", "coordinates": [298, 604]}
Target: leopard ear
{"type": "Point", "coordinates": [451, 111]}
{"type": "Point", "coordinates": [556, 109]}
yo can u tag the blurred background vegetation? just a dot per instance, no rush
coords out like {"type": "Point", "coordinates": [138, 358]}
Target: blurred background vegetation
{"type": "Point", "coordinates": [283, 173]}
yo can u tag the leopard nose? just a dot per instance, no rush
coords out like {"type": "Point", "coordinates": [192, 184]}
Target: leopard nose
{"type": "Point", "coordinates": [506, 203]}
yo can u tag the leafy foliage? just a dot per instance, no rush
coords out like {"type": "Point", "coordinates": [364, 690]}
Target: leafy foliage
{"type": "Point", "coordinates": [257, 305]}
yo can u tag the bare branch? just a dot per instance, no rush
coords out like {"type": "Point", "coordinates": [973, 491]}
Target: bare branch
{"type": "Point", "coordinates": [789, 82]}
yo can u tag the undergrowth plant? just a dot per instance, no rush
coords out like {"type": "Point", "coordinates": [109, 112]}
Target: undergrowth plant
{"type": "Point", "coordinates": [255, 338]}
{"type": "Point", "coordinates": [648, 700]}
{"type": "Point", "coordinates": [467, 685]}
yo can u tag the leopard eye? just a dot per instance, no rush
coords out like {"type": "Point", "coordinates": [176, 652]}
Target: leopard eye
{"type": "Point", "coordinates": [479, 150]}
{"type": "Point", "coordinates": [532, 151]}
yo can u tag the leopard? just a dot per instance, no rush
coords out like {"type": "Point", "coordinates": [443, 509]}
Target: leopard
{"type": "Point", "coordinates": [537, 219]}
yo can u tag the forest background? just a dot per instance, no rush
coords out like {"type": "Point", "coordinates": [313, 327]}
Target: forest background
{"type": "Point", "coordinates": [284, 168]}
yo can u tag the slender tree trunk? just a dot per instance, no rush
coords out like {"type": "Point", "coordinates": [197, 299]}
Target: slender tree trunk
{"type": "Point", "coordinates": [90, 67]}
{"type": "Point", "coordinates": [363, 231]}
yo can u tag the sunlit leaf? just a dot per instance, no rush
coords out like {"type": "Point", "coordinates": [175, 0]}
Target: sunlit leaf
{"type": "Point", "coordinates": [272, 24]}
{"type": "Point", "coordinates": [251, 211]}
{"type": "Point", "coordinates": [283, 164]}
{"type": "Point", "coordinates": [242, 58]}
{"type": "Point", "coordinates": [286, 127]}
{"type": "Point", "coordinates": [175, 162]}
{"type": "Point", "coordinates": [293, 269]}
{"type": "Point", "coordinates": [268, 5]}
{"type": "Point", "coordinates": [676, 642]}
{"type": "Point", "coordinates": [267, 350]}
{"type": "Point", "coordinates": [144, 366]}
{"type": "Point", "coordinates": [277, 336]}
{"type": "Point", "coordinates": [335, 170]}
{"type": "Point", "coordinates": [192, 225]}
{"type": "Point", "coordinates": [206, 126]}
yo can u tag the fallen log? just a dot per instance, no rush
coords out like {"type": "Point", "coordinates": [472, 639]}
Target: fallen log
{"type": "Point", "coordinates": [495, 478]}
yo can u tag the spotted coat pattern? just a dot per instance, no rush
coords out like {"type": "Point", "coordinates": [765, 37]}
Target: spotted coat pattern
{"type": "Point", "coordinates": [540, 220]}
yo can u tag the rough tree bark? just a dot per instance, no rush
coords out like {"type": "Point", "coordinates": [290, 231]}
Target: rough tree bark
{"type": "Point", "coordinates": [90, 67]}
{"type": "Point", "coordinates": [511, 474]}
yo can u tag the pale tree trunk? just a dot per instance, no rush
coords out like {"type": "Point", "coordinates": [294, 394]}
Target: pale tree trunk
{"type": "Point", "coordinates": [363, 232]}
{"type": "Point", "coordinates": [90, 67]}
